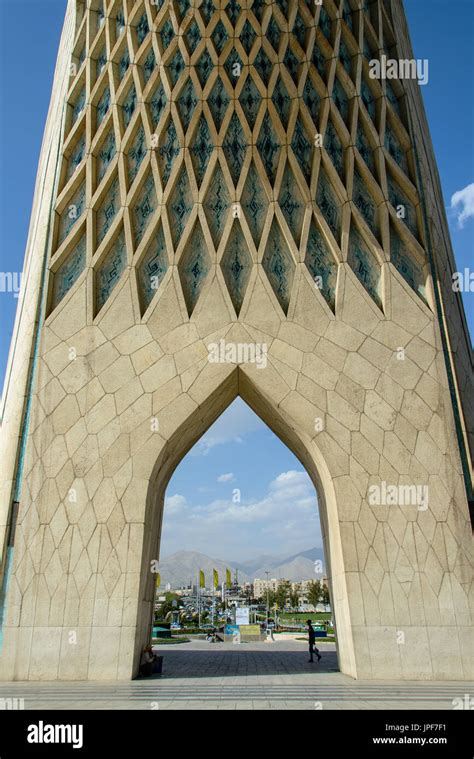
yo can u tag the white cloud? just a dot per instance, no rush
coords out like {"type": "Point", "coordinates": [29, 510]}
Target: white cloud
{"type": "Point", "coordinates": [235, 423]}
{"type": "Point", "coordinates": [284, 521]}
{"type": "Point", "coordinates": [176, 503]}
{"type": "Point", "coordinates": [229, 477]}
{"type": "Point", "coordinates": [462, 203]}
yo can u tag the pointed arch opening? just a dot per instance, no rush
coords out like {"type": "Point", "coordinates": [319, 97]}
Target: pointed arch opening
{"type": "Point", "coordinates": [185, 433]}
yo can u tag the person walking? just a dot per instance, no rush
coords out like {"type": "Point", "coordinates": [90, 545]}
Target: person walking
{"type": "Point", "coordinates": [312, 640]}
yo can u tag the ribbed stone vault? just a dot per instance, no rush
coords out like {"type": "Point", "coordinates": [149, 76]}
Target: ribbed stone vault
{"type": "Point", "coordinates": [252, 128]}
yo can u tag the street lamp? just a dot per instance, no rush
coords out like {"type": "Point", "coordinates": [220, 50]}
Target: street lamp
{"type": "Point", "coordinates": [267, 573]}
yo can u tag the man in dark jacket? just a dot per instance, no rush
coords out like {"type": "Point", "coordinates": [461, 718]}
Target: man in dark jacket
{"type": "Point", "coordinates": [312, 639]}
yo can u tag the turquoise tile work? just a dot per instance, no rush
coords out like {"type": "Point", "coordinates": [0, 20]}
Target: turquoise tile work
{"type": "Point", "coordinates": [279, 266]}
{"type": "Point", "coordinates": [365, 149]}
{"type": "Point", "coordinates": [406, 265]}
{"type": "Point", "coordinates": [234, 147]}
{"type": "Point", "coordinates": [365, 266]}
{"type": "Point", "coordinates": [149, 65]}
{"type": "Point", "coordinates": [157, 104]}
{"type": "Point", "coordinates": [201, 149]}
{"type": "Point", "coordinates": [108, 210]}
{"type": "Point", "coordinates": [218, 101]}
{"type": "Point", "coordinates": [328, 204]}
{"type": "Point", "coordinates": [282, 101]}
{"type": "Point", "coordinates": [73, 211]}
{"type": "Point", "coordinates": [110, 270]}
{"type": "Point", "coordinates": [168, 152]}
{"type": "Point", "coordinates": [144, 208]}
{"type": "Point", "coordinates": [106, 153]}
{"type": "Point", "coordinates": [254, 203]}
{"type": "Point", "coordinates": [166, 34]}
{"type": "Point", "coordinates": [302, 148]}
{"type": "Point", "coordinates": [236, 265]}
{"type": "Point", "coordinates": [123, 64]}
{"type": "Point", "coordinates": [250, 100]}
{"type": "Point", "coordinates": [129, 105]}
{"type": "Point", "coordinates": [69, 272]}
{"type": "Point", "coordinates": [203, 68]}
{"type": "Point", "coordinates": [76, 156]}
{"type": "Point", "coordinates": [103, 106]}
{"type": "Point", "coordinates": [365, 203]}
{"type": "Point", "coordinates": [175, 68]}
{"type": "Point", "coordinates": [247, 37]}
{"type": "Point", "coordinates": [235, 95]}
{"type": "Point", "coordinates": [292, 203]}
{"type": "Point", "coordinates": [119, 24]}
{"type": "Point", "coordinates": [186, 103]}
{"type": "Point", "coordinates": [402, 205]}
{"type": "Point", "coordinates": [180, 206]}
{"type": "Point", "coordinates": [335, 148]}
{"type": "Point", "coordinates": [219, 37]}
{"type": "Point", "coordinates": [269, 147]}
{"type": "Point", "coordinates": [152, 269]}
{"type": "Point", "coordinates": [395, 149]}
{"type": "Point", "coordinates": [216, 205]}
{"type": "Point", "coordinates": [136, 153]}
{"type": "Point", "coordinates": [194, 267]}
{"type": "Point", "coordinates": [321, 265]}
{"type": "Point", "coordinates": [78, 104]}
{"type": "Point", "coordinates": [192, 37]}
{"type": "Point", "coordinates": [142, 28]}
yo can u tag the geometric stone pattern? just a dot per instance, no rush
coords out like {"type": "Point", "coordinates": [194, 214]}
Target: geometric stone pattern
{"type": "Point", "coordinates": [124, 387]}
{"type": "Point", "coordinates": [218, 86]}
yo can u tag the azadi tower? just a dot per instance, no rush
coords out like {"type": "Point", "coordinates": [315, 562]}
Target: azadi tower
{"type": "Point", "coordinates": [236, 197]}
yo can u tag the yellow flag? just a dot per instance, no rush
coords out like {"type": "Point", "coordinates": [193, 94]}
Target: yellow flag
{"type": "Point", "coordinates": [216, 578]}
{"type": "Point", "coordinates": [202, 580]}
{"type": "Point", "coordinates": [157, 580]}
{"type": "Point", "coordinates": [228, 578]}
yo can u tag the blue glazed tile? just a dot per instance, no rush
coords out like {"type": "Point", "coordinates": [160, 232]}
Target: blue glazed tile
{"type": "Point", "coordinates": [236, 265]}
{"type": "Point", "coordinates": [194, 267]}
{"type": "Point", "coordinates": [321, 265]}
{"type": "Point", "coordinates": [279, 266]}
{"type": "Point", "coordinates": [109, 272]}
{"type": "Point", "coordinates": [144, 209]}
{"type": "Point", "coordinates": [365, 266]}
{"type": "Point", "coordinates": [152, 269]}
{"type": "Point", "coordinates": [69, 272]}
{"type": "Point", "coordinates": [108, 210]}
{"type": "Point", "coordinates": [216, 205]}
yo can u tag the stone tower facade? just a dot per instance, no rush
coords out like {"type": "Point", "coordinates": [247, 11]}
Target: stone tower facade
{"type": "Point", "coordinates": [229, 203]}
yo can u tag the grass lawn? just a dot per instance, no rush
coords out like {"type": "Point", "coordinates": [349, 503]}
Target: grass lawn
{"type": "Point", "coordinates": [302, 616]}
{"type": "Point", "coordinates": [169, 641]}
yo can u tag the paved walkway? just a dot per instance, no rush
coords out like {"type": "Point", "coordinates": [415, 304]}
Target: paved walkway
{"type": "Point", "coordinates": [200, 675]}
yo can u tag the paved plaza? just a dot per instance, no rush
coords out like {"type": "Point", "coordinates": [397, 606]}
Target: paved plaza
{"type": "Point", "coordinates": [200, 675]}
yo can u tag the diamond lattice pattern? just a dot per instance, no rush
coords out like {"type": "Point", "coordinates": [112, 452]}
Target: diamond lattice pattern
{"type": "Point", "coordinates": [219, 107]}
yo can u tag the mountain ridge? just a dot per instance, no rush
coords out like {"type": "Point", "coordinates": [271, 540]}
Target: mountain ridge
{"type": "Point", "coordinates": [181, 568]}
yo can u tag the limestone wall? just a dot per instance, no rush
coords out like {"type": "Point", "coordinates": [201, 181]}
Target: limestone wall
{"type": "Point", "coordinates": [355, 385]}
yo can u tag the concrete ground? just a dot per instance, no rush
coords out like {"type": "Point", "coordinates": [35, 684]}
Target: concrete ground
{"type": "Point", "coordinates": [200, 675]}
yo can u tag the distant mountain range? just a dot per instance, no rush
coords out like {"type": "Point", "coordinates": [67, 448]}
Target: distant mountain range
{"type": "Point", "coordinates": [181, 568]}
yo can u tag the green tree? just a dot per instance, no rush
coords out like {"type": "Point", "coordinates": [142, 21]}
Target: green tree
{"type": "Point", "coordinates": [314, 592]}
{"type": "Point", "coordinates": [294, 599]}
{"type": "Point", "coordinates": [281, 595]}
{"type": "Point", "coordinates": [166, 607]}
{"type": "Point", "coordinates": [325, 596]}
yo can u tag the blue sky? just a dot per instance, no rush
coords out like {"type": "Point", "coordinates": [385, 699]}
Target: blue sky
{"type": "Point", "coordinates": [239, 445]}
{"type": "Point", "coordinates": [240, 458]}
